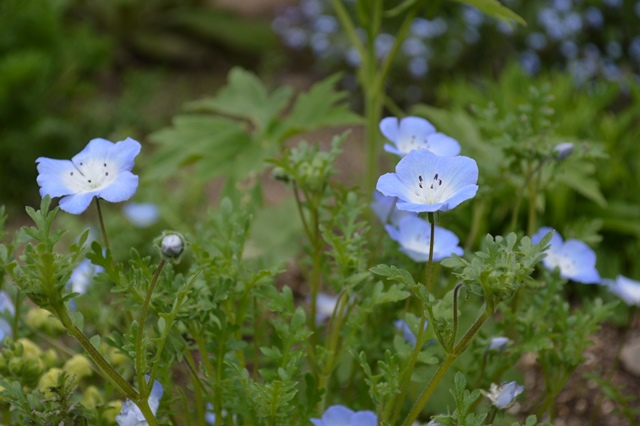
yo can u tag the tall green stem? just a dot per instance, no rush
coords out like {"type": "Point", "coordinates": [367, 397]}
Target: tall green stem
{"type": "Point", "coordinates": [102, 227]}
{"type": "Point", "coordinates": [446, 364]}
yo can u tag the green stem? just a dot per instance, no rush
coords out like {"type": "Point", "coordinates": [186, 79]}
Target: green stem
{"type": "Point", "coordinates": [256, 345]}
{"type": "Point", "coordinates": [107, 371]}
{"type": "Point", "coordinates": [16, 316]}
{"type": "Point", "coordinates": [198, 388]}
{"type": "Point", "coordinates": [455, 316]}
{"type": "Point", "coordinates": [315, 274]}
{"type": "Point", "coordinates": [217, 406]}
{"type": "Point", "coordinates": [333, 340]}
{"type": "Point", "coordinates": [446, 364]}
{"type": "Point", "coordinates": [102, 227]}
{"type": "Point", "coordinates": [349, 27]}
{"type": "Point", "coordinates": [140, 351]}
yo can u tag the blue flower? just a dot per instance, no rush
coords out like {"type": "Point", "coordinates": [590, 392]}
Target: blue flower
{"type": "Point", "coordinates": [414, 236]}
{"type": "Point", "coordinates": [563, 150]}
{"type": "Point", "coordinates": [426, 182]}
{"type": "Point", "coordinates": [627, 289]}
{"type": "Point", "coordinates": [574, 258]}
{"type": "Point", "coordinates": [503, 396]}
{"type": "Point", "coordinates": [325, 305]}
{"type": "Point", "coordinates": [412, 133]}
{"type": "Point", "coordinates": [339, 415]}
{"type": "Point", "coordinates": [131, 414]}
{"type": "Point", "coordinates": [102, 169]}
{"type": "Point", "coordinates": [498, 344]}
{"type": "Point", "coordinates": [385, 209]}
{"type": "Point", "coordinates": [407, 334]}
{"type": "Point", "coordinates": [7, 310]}
{"type": "Point", "coordinates": [82, 277]}
{"type": "Point", "coordinates": [141, 215]}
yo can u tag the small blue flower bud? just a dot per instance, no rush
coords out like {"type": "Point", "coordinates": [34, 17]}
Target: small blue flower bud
{"type": "Point", "coordinates": [172, 245]}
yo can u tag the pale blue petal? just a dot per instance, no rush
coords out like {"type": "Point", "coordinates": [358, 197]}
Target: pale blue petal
{"type": "Point", "coordinates": [389, 128]}
{"type": "Point", "coordinates": [393, 150]}
{"type": "Point", "coordinates": [420, 208]}
{"type": "Point", "coordinates": [555, 245]}
{"type": "Point", "coordinates": [6, 305]}
{"type": "Point", "coordinates": [141, 215]}
{"type": "Point", "coordinates": [123, 188]}
{"type": "Point", "coordinates": [390, 185]}
{"type": "Point", "coordinates": [443, 145]}
{"type": "Point", "coordinates": [508, 394]}
{"type": "Point", "coordinates": [463, 194]}
{"type": "Point", "coordinates": [96, 149]}
{"type": "Point", "coordinates": [383, 206]}
{"type": "Point", "coordinates": [394, 233]}
{"type": "Point", "coordinates": [415, 127]}
{"type": "Point", "coordinates": [76, 203]}
{"type": "Point", "coordinates": [317, 422]}
{"type": "Point", "coordinates": [587, 276]}
{"type": "Point", "coordinates": [626, 288]}
{"type": "Point", "coordinates": [407, 334]}
{"type": "Point", "coordinates": [50, 176]}
{"type": "Point", "coordinates": [123, 154]}
{"type": "Point", "coordinates": [5, 330]}
{"type": "Point", "coordinates": [337, 415]}
{"type": "Point", "coordinates": [364, 418]}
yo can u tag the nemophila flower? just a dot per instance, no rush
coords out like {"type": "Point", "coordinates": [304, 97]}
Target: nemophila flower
{"type": "Point", "coordinates": [325, 305]}
{"type": "Point", "coordinates": [131, 414]}
{"type": "Point", "coordinates": [102, 169]}
{"type": "Point", "coordinates": [141, 215]}
{"type": "Point", "coordinates": [503, 396]}
{"type": "Point", "coordinates": [498, 344]}
{"type": "Point", "coordinates": [7, 310]}
{"type": "Point", "coordinates": [339, 415]}
{"type": "Point", "coordinates": [414, 236]}
{"type": "Point", "coordinates": [411, 133]}
{"type": "Point", "coordinates": [82, 277]}
{"type": "Point", "coordinates": [627, 289]}
{"type": "Point", "coordinates": [407, 334]}
{"type": "Point", "coordinates": [385, 209]}
{"type": "Point", "coordinates": [426, 182]}
{"type": "Point", "coordinates": [563, 150]}
{"type": "Point", "coordinates": [574, 258]}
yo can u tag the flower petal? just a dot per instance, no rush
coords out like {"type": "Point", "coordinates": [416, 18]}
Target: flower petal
{"type": "Point", "coordinates": [96, 150]}
{"type": "Point", "coordinates": [393, 150]}
{"type": "Point", "coordinates": [337, 415]}
{"type": "Point", "coordinates": [443, 145]}
{"type": "Point", "coordinates": [76, 203]}
{"type": "Point", "coordinates": [51, 176]}
{"type": "Point", "coordinates": [414, 127]}
{"type": "Point", "coordinates": [390, 185]}
{"type": "Point", "coordinates": [121, 189]}
{"type": "Point", "coordinates": [389, 128]}
{"type": "Point", "coordinates": [123, 154]}
{"type": "Point", "coordinates": [364, 418]}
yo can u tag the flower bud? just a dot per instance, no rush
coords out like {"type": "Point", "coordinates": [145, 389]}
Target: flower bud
{"type": "Point", "coordinates": [91, 397]}
{"type": "Point", "coordinates": [172, 245]}
{"type": "Point", "coordinates": [49, 379]}
{"type": "Point", "coordinates": [29, 349]}
{"type": "Point", "coordinates": [78, 367]}
{"type": "Point", "coordinates": [111, 411]}
{"type": "Point", "coordinates": [563, 150]}
{"type": "Point", "coordinates": [49, 358]}
{"type": "Point", "coordinates": [498, 344]}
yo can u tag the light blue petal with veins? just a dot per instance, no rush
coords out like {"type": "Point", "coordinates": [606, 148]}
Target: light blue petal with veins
{"type": "Point", "coordinates": [96, 150]}
{"type": "Point", "coordinates": [50, 176]}
{"type": "Point", "coordinates": [337, 415]}
{"type": "Point", "coordinates": [414, 126]}
{"type": "Point", "coordinates": [389, 128]}
{"type": "Point", "coordinates": [121, 189]}
{"type": "Point", "coordinates": [443, 145]}
{"type": "Point", "coordinates": [124, 153]}
{"type": "Point", "coordinates": [364, 418]}
{"type": "Point", "coordinates": [77, 203]}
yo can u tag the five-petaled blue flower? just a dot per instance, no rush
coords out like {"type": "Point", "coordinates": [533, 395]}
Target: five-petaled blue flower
{"type": "Point", "coordinates": [414, 236]}
{"type": "Point", "coordinates": [426, 182]}
{"type": "Point", "coordinates": [102, 169]}
{"type": "Point", "coordinates": [574, 258]}
{"type": "Point", "coordinates": [130, 415]}
{"type": "Point", "coordinates": [339, 415]}
{"type": "Point", "coordinates": [626, 288]}
{"type": "Point", "coordinates": [412, 133]}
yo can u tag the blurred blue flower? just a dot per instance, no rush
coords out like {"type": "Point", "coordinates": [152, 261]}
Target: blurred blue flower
{"type": "Point", "coordinates": [141, 215]}
{"type": "Point", "coordinates": [411, 133]}
{"type": "Point", "coordinates": [637, 9]}
{"type": "Point", "coordinates": [415, 47]}
{"type": "Point", "coordinates": [563, 150]}
{"type": "Point", "coordinates": [625, 288]}
{"type": "Point", "coordinates": [569, 49]}
{"type": "Point", "coordinates": [536, 41]}
{"type": "Point", "coordinates": [426, 182]}
{"type": "Point", "coordinates": [530, 62]}
{"type": "Point", "coordinates": [593, 17]}
{"type": "Point", "coordinates": [561, 5]}
{"type": "Point", "coordinates": [574, 258]}
{"type": "Point", "coordinates": [498, 343]}
{"type": "Point", "coordinates": [407, 334]}
{"type": "Point", "coordinates": [326, 24]}
{"type": "Point", "coordinates": [613, 3]}
{"type": "Point", "coordinates": [472, 16]}
{"type": "Point", "coordinates": [414, 236]}
{"type": "Point", "coordinates": [634, 49]}
{"type": "Point", "coordinates": [613, 49]}
{"type": "Point", "coordinates": [385, 209]}
{"type": "Point", "coordinates": [325, 305]}
{"type": "Point", "coordinates": [503, 396]}
{"type": "Point", "coordinates": [383, 44]}
{"type": "Point", "coordinates": [418, 67]}
{"type": "Point", "coordinates": [82, 276]}
{"type": "Point", "coordinates": [102, 169]}
{"type": "Point", "coordinates": [339, 415]}
{"type": "Point", "coordinates": [7, 310]}
{"type": "Point", "coordinates": [130, 415]}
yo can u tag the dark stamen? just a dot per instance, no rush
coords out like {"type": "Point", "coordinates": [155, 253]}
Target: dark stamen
{"type": "Point", "coordinates": [420, 178]}
{"type": "Point", "coordinates": [71, 173]}
{"type": "Point", "coordinates": [440, 182]}
{"type": "Point", "coordinates": [106, 173]}
{"type": "Point", "coordinates": [105, 164]}
{"type": "Point", "coordinates": [431, 186]}
{"type": "Point", "coordinates": [435, 177]}
{"type": "Point", "coordinates": [89, 180]}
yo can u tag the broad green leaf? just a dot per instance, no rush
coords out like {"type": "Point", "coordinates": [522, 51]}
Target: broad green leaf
{"type": "Point", "coordinates": [495, 9]}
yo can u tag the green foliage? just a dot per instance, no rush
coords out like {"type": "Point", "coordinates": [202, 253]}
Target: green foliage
{"type": "Point", "coordinates": [233, 133]}
{"type": "Point", "coordinates": [465, 400]}
{"type": "Point", "coordinates": [496, 10]}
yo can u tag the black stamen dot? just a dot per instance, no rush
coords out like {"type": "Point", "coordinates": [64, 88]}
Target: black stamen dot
{"type": "Point", "coordinates": [105, 164]}
{"type": "Point", "coordinates": [440, 182]}
{"type": "Point", "coordinates": [89, 180]}
{"type": "Point", "coordinates": [420, 184]}
{"type": "Point", "coordinates": [71, 173]}
{"type": "Point", "coordinates": [435, 177]}
{"type": "Point", "coordinates": [81, 164]}
{"type": "Point", "coordinates": [431, 186]}
{"type": "Point", "coordinates": [420, 178]}
{"type": "Point", "coordinates": [106, 173]}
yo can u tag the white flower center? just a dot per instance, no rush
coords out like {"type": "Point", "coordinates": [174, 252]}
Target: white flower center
{"type": "Point", "coordinates": [567, 265]}
{"type": "Point", "coordinates": [90, 176]}
{"type": "Point", "coordinates": [433, 190]}
{"type": "Point", "coordinates": [420, 243]}
{"type": "Point", "coordinates": [409, 144]}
